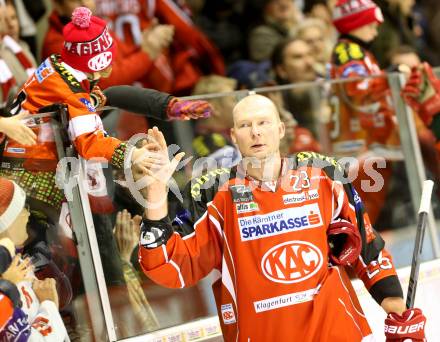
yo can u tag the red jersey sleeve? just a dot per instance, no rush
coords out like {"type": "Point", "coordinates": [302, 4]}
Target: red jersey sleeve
{"type": "Point", "coordinates": [195, 246]}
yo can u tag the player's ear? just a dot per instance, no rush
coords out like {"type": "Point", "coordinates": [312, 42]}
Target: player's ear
{"type": "Point", "coordinates": [281, 129]}
{"type": "Point", "coordinates": [233, 137]}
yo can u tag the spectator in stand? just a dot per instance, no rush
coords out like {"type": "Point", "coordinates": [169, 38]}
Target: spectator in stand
{"type": "Point", "coordinates": [190, 55]}
{"type": "Point", "coordinates": [28, 13]}
{"type": "Point", "coordinates": [212, 138]}
{"type": "Point", "coordinates": [223, 23]}
{"type": "Point", "coordinates": [313, 32]}
{"type": "Point", "coordinates": [322, 9]}
{"type": "Point", "coordinates": [279, 19]}
{"type": "Point", "coordinates": [126, 232]}
{"type": "Point", "coordinates": [364, 119]}
{"type": "Point", "coordinates": [38, 318]}
{"type": "Point", "coordinates": [430, 12]}
{"type": "Point", "coordinates": [16, 62]}
{"type": "Point", "coordinates": [9, 295]}
{"type": "Point", "coordinates": [398, 28]}
{"type": "Point", "coordinates": [131, 64]}
{"type": "Point", "coordinates": [405, 59]}
{"type": "Point", "coordinates": [293, 62]}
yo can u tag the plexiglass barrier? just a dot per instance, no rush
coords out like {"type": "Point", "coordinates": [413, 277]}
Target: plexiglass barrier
{"type": "Point", "coordinates": [386, 156]}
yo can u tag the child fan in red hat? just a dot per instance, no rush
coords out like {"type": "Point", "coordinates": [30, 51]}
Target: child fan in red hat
{"type": "Point", "coordinates": [70, 79]}
{"type": "Point", "coordinates": [366, 120]}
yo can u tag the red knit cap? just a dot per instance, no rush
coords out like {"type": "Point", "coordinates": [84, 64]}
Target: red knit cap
{"type": "Point", "coordinates": [12, 199]}
{"type": "Point", "coordinates": [88, 45]}
{"type": "Point", "coordinates": [349, 15]}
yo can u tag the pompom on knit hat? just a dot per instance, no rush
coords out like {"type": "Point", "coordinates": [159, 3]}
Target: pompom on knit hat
{"type": "Point", "coordinates": [12, 200]}
{"type": "Point", "coordinates": [88, 44]}
{"type": "Point", "coordinates": [349, 15]}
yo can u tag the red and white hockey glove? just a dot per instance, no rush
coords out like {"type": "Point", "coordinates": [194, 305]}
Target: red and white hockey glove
{"type": "Point", "coordinates": [178, 109]}
{"type": "Point", "coordinates": [345, 242]}
{"type": "Point", "coordinates": [422, 92]}
{"type": "Point", "coordinates": [410, 326]}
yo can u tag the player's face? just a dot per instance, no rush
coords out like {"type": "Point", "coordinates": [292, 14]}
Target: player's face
{"type": "Point", "coordinates": [257, 132]}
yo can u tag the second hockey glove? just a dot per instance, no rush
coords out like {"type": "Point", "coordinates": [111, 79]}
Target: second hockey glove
{"type": "Point", "coordinates": [422, 92]}
{"type": "Point", "coordinates": [344, 241]}
{"type": "Point", "coordinates": [178, 109]}
{"type": "Point", "coordinates": [410, 326]}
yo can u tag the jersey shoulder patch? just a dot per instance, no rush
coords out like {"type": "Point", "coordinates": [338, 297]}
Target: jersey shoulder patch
{"type": "Point", "coordinates": [345, 52]}
{"type": "Point", "coordinates": [329, 164]}
{"type": "Point", "coordinates": [209, 180]}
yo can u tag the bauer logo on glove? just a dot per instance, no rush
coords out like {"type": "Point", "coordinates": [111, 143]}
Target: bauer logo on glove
{"type": "Point", "coordinates": [410, 326]}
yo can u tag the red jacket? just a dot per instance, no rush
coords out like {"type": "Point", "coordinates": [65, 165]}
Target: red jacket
{"type": "Point", "coordinates": [267, 244]}
{"type": "Point", "coordinates": [363, 115]}
{"type": "Point", "coordinates": [129, 66]}
{"type": "Point", "coordinates": [54, 82]}
{"type": "Point", "coordinates": [190, 56]}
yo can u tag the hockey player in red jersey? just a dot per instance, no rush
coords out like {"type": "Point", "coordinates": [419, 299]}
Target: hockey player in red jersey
{"type": "Point", "coordinates": [278, 233]}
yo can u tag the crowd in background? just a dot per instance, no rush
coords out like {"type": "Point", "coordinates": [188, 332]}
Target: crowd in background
{"type": "Point", "coordinates": [192, 47]}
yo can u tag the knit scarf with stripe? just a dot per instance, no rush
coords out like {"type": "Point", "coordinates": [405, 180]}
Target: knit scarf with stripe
{"type": "Point", "coordinates": [7, 79]}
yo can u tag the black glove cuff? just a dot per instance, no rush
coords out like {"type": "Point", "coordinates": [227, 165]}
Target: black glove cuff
{"type": "Point", "coordinates": [155, 233]}
{"type": "Point", "coordinates": [11, 291]}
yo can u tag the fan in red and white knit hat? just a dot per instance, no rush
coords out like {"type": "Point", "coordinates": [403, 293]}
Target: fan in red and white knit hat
{"type": "Point", "coordinates": [349, 15]}
{"type": "Point", "coordinates": [88, 44]}
{"type": "Point", "coordinates": [12, 200]}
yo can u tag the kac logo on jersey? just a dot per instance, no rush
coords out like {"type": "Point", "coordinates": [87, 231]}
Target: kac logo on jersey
{"type": "Point", "coordinates": [228, 314]}
{"type": "Point", "coordinates": [88, 104]}
{"type": "Point", "coordinates": [246, 207]}
{"type": "Point", "coordinates": [291, 262]}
